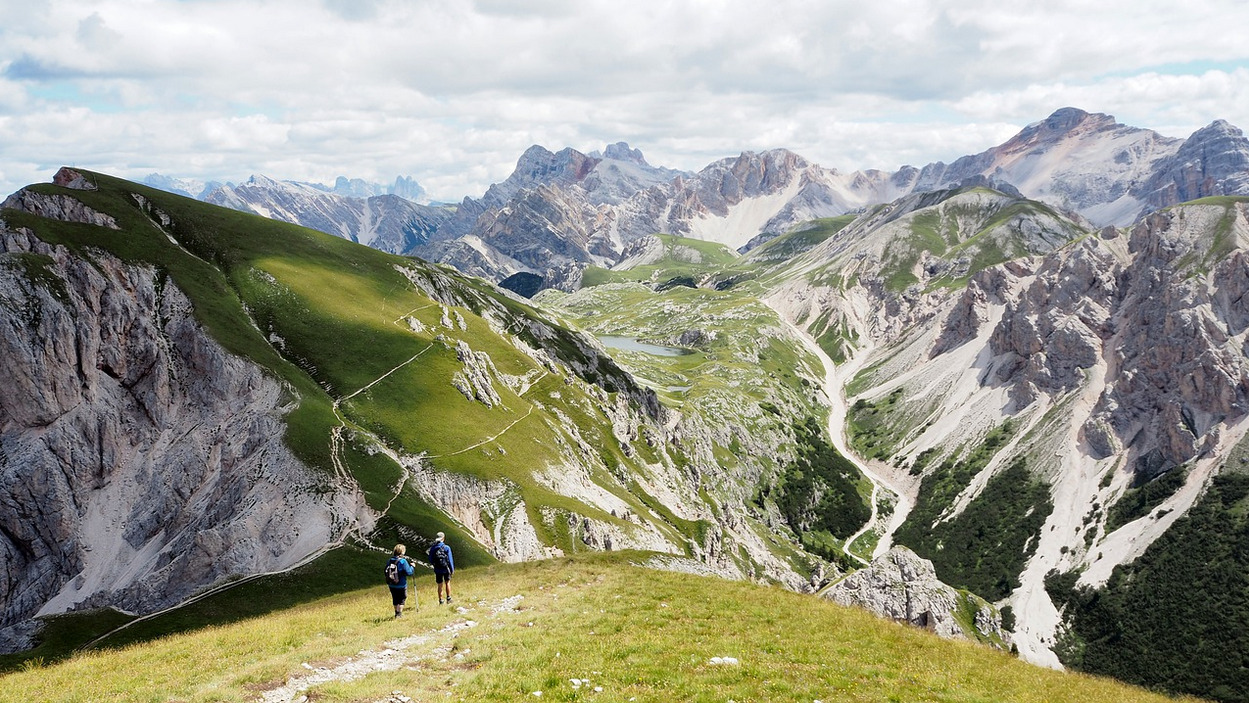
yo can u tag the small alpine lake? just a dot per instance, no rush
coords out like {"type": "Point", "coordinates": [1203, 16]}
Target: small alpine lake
{"type": "Point", "coordinates": [634, 344]}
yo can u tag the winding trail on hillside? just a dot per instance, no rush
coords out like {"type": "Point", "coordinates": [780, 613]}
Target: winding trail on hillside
{"type": "Point", "coordinates": [487, 440]}
{"type": "Point", "coordinates": [871, 522]}
{"type": "Point", "coordinates": [834, 389]}
{"type": "Point", "coordinates": [341, 471]}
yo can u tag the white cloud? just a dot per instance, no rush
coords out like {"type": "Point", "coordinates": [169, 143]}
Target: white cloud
{"type": "Point", "coordinates": [452, 91]}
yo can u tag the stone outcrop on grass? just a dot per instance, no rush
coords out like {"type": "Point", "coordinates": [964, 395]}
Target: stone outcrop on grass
{"type": "Point", "coordinates": [901, 586]}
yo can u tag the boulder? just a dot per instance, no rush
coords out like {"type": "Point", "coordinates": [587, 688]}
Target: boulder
{"type": "Point", "coordinates": [902, 586]}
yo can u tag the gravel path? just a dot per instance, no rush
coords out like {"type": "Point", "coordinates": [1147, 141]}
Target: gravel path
{"type": "Point", "coordinates": [390, 656]}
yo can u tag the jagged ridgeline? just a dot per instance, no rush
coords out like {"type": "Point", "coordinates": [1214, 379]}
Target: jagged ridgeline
{"type": "Point", "coordinates": [198, 395]}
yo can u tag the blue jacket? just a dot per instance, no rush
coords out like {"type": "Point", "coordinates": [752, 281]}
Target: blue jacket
{"type": "Point", "coordinates": [450, 559]}
{"type": "Point", "coordinates": [405, 570]}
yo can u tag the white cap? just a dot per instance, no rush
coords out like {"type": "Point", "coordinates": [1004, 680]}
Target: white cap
{"type": "Point", "coordinates": [441, 536]}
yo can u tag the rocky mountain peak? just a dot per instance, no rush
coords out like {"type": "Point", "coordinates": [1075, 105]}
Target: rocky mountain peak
{"type": "Point", "coordinates": [754, 173]}
{"type": "Point", "coordinates": [1065, 118]}
{"type": "Point", "coordinates": [1214, 160]}
{"type": "Point", "coordinates": [620, 151]}
{"type": "Point", "coordinates": [540, 166]}
{"type": "Point", "coordinates": [260, 180]}
{"type": "Point", "coordinates": [1062, 124]}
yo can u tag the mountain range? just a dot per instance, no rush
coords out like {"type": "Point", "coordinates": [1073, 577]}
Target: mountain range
{"type": "Point", "coordinates": [1028, 367]}
{"type": "Point", "coordinates": [558, 212]}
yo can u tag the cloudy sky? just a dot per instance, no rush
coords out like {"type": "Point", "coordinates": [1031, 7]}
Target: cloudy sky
{"type": "Point", "coordinates": [452, 91]}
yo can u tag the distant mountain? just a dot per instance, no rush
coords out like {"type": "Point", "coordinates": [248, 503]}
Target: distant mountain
{"type": "Point", "coordinates": [1109, 173]}
{"type": "Point", "coordinates": [1082, 163]}
{"type": "Point", "coordinates": [734, 200]}
{"type": "Point", "coordinates": [386, 222]}
{"type": "Point", "coordinates": [405, 187]}
{"type": "Point", "coordinates": [182, 186]}
{"type": "Point", "coordinates": [553, 214]}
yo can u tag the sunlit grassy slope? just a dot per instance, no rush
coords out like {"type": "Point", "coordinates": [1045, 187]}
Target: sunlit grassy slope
{"type": "Point", "coordinates": [633, 632]}
{"type": "Point", "coordinates": [342, 322]}
{"type": "Point", "coordinates": [370, 347]}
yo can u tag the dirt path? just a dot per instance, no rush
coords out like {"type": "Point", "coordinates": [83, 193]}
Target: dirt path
{"type": "Point", "coordinates": [834, 389]}
{"type": "Point", "coordinates": [867, 526]}
{"type": "Point", "coordinates": [391, 656]}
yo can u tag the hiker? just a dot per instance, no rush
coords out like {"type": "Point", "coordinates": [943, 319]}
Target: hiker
{"type": "Point", "coordinates": [444, 565]}
{"type": "Point", "coordinates": [398, 569]}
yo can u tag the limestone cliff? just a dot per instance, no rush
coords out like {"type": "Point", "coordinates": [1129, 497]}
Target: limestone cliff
{"type": "Point", "coordinates": [139, 462]}
{"type": "Point", "coordinates": [1100, 363]}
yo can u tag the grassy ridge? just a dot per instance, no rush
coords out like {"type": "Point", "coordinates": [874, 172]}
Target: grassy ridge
{"type": "Point", "coordinates": [331, 319]}
{"type": "Point", "coordinates": [637, 634]}
{"type": "Point", "coordinates": [684, 258]}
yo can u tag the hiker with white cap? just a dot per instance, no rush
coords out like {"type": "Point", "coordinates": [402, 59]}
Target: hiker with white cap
{"type": "Point", "coordinates": [444, 565]}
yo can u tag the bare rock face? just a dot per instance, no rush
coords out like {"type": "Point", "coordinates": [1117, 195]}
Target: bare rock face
{"type": "Point", "coordinates": [964, 321]}
{"type": "Point", "coordinates": [1162, 321]}
{"type": "Point", "coordinates": [1213, 161]}
{"type": "Point", "coordinates": [139, 461]}
{"type": "Point", "coordinates": [476, 380]}
{"type": "Point", "coordinates": [537, 167]}
{"type": "Point", "coordinates": [1054, 331]}
{"type": "Point", "coordinates": [901, 586]}
{"type": "Point", "coordinates": [540, 227]}
{"type": "Point", "coordinates": [58, 207]}
{"type": "Point", "coordinates": [74, 180]}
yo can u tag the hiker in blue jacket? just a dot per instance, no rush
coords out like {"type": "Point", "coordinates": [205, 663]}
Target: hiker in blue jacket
{"type": "Point", "coordinates": [444, 565]}
{"type": "Point", "coordinates": [398, 569]}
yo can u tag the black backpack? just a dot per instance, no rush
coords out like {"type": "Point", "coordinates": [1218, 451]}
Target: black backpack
{"type": "Point", "coordinates": [439, 557]}
{"type": "Point", "coordinates": [392, 572]}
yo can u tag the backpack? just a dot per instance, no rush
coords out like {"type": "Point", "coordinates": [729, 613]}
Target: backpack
{"type": "Point", "coordinates": [392, 572]}
{"type": "Point", "coordinates": [440, 558]}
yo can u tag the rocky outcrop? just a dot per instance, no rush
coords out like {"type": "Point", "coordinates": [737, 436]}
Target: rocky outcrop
{"type": "Point", "coordinates": [510, 537]}
{"type": "Point", "coordinates": [1054, 331]}
{"type": "Point", "coordinates": [67, 177]}
{"type": "Point", "coordinates": [1163, 330]}
{"type": "Point", "coordinates": [58, 207]}
{"type": "Point", "coordinates": [901, 586]}
{"type": "Point", "coordinates": [964, 321]}
{"type": "Point", "coordinates": [476, 380]}
{"type": "Point", "coordinates": [139, 461]}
